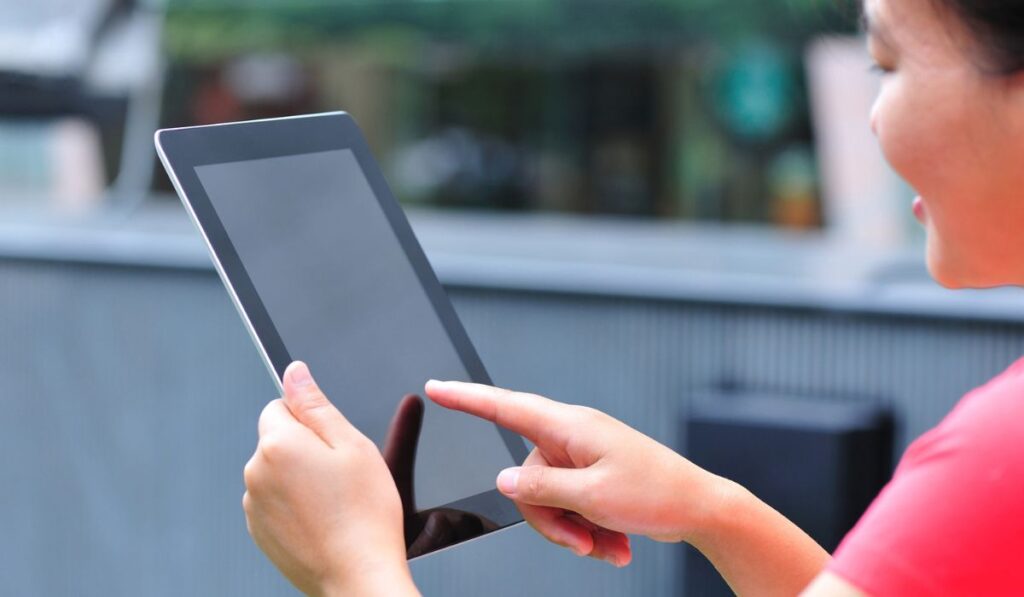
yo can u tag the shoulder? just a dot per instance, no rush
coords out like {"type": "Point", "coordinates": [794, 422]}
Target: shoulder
{"type": "Point", "coordinates": [986, 422]}
{"type": "Point", "coordinates": [952, 516]}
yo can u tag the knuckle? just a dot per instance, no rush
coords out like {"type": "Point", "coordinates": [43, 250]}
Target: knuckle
{"type": "Point", "coordinates": [597, 481]}
{"type": "Point", "coordinates": [364, 449]}
{"type": "Point", "coordinates": [534, 486]}
{"type": "Point", "coordinates": [250, 521]}
{"type": "Point", "coordinates": [587, 416]}
{"type": "Point", "coordinates": [269, 407]}
{"type": "Point", "coordinates": [588, 492]}
{"type": "Point", "coordinates": [504, 393]}
{"type": "Point", "coordinates": [274, 447]}
{"type": "Point", "coordinates": [530, 397]}
{"type": "Point", "coordinates": [250, 474]}
{"type": "Point", "coordinates": [503, 403]}
{"type": "Point", "coordinates": [355, 451]}
{"type": "Point", "coordinates": [314, 403]}
{"type": "Point", "coordinates": [517, 398]}
{"type": "Point", "coordinates": [264, 417]}
{"type": "Point", "coordinates": [366, 445]}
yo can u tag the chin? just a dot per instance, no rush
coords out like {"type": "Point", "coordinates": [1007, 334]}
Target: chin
{"type": "Point", "coordinates": [957, 278]}
{"type": "Point", "coordinates": [946, 274]}
{"type": "Point", "coordinates": [955, 263]}
{"type": "Point", "coordinates": [947, 281]}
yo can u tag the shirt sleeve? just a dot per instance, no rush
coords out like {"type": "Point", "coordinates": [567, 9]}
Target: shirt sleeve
{"type": "Point", "coordinates": [951, 521]}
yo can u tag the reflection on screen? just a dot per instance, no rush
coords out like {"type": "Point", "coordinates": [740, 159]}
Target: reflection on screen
{"type": "Point", "coordinates": [345, 299]}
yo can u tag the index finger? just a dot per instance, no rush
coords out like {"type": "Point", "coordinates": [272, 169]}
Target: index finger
{"type": "Point", "coordinates": [534, 417]}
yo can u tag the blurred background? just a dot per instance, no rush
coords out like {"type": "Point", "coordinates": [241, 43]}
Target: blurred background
{"type": "Point", "coordinates": [659, 109]}
{"type": "Point", "coordinates": [672, 210]}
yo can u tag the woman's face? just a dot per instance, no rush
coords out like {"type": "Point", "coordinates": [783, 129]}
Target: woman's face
{"type": "Point", "coordinates": [956, 134]}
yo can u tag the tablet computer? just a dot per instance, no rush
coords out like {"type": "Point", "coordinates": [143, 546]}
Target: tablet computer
{"type": "Point", "coordinates": [323, 267]}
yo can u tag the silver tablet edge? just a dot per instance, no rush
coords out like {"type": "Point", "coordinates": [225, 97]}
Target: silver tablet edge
{"type": "Point", "coordinates": [156, 136]}
{"type": "Point", "coordinates": [248, 324]}
{"type": "Point", "coordinates": [466, 542]}
{"type": "Point", "coordinates": [216, 263]}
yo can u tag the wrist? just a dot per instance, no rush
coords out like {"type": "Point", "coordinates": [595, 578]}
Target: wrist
{"type": "Point", "coordinates": [724, 502]}
{"type": "Point", "coordinates": [754, 547]}
{"type": "Point", "coordinates": [370, 579]}
{"type": "Point", "coordinates": [712, 501]}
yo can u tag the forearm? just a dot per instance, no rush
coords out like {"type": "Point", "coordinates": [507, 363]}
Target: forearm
{"type": "Point", "coordinates": [755, 549]}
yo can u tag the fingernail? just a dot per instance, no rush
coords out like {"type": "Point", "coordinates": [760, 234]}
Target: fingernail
{"type": "Point", "coordinates": [612, 560]}
{"type": "Point", "coordinates": [508, 480]}
{"type": "Point", "coordinates": [299, 374]}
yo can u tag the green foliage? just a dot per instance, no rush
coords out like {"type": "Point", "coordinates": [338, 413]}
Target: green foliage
{"type": "Point", "coordinates": [200, 30]}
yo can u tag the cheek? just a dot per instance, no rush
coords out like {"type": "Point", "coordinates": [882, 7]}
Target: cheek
{"type": "Point", "coordinates": [936, 133]}
{"type": "Point", "coordinates": [903, 131]}
{"type": "Point", "coordinates": [928, 135]}
{"type": "Point", "coordinates": [911, 134]}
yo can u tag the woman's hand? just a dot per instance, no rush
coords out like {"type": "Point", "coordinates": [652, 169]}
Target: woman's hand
{"type": "Point", "coordinates": [320, 500]}
{"type": "Point", "coordinates": [590, 479]}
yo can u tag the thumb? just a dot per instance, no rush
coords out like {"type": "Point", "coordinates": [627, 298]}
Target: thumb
{"type": "Point", "coordinates": [544, 486]}
{"type": "Point", "coordinates": [311, 407]}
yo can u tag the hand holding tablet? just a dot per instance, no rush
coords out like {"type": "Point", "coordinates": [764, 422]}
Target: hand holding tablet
{"type": "Point", "coordinates": [305, 441]}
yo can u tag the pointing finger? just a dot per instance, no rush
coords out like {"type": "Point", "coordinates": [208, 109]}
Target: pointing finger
{"type": "Point", "coordinates": [534, 417]}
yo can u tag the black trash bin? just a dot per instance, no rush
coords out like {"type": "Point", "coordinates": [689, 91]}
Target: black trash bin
{"type": "Point", "coordinates": [819, 462]}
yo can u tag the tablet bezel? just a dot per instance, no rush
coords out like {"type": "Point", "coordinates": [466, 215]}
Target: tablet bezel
{"type": "Point", "coordinates": [182, 150]}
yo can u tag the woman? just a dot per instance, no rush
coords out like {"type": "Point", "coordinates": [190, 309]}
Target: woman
{"type": "Point", "coordinates": [950, 119]}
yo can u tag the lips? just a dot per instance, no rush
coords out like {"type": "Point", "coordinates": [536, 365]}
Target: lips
{"type": "Point", "coordinates": [919, 211]}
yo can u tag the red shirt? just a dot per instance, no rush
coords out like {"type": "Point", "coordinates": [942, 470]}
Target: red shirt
{"type": "Point", "coordinates": [951, 520]}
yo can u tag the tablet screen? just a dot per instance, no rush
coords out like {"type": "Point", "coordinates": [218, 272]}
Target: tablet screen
{"type": "Point", "coordinates": [345, 299]}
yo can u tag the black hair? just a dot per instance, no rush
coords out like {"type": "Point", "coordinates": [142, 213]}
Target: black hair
{"type": "Point", "coordinates": [998, 29]}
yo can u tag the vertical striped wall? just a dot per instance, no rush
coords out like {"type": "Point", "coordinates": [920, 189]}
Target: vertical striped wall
{"type": "Point", "coordinates": [130, 398]}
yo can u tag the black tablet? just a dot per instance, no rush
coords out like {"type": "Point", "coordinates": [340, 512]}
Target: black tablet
{"type": "Point", "coordinates": [323, 267]}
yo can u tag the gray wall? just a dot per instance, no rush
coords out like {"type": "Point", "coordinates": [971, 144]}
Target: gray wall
{"type": "Point", "coordinates": [131, 396]}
